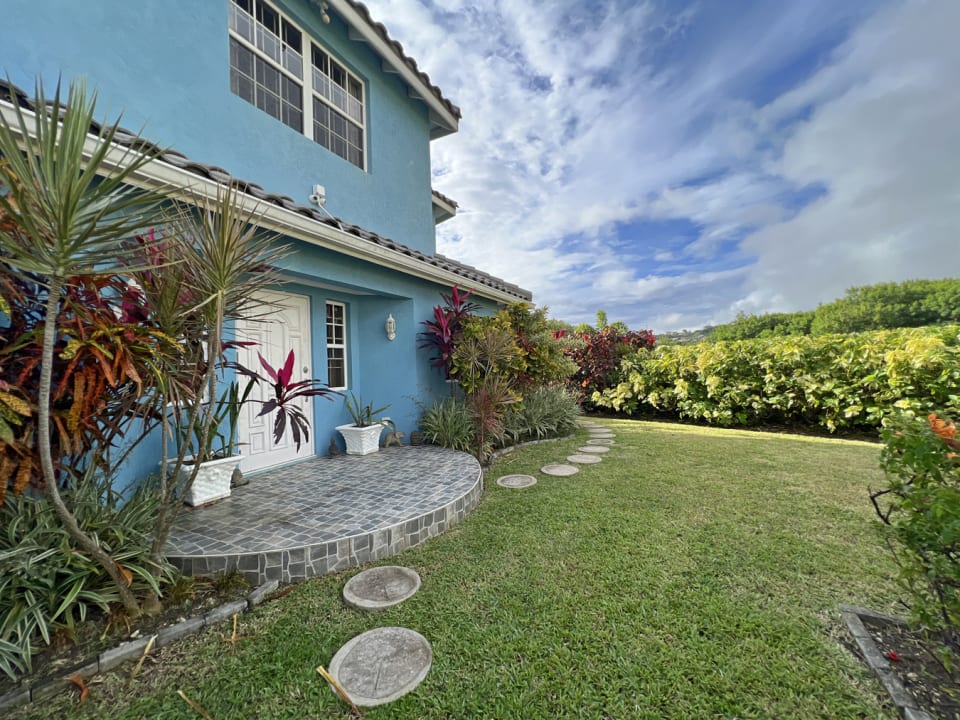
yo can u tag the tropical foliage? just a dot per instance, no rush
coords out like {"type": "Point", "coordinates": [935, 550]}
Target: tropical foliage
{"type": "Point", "coordinates": [920, 508]}
{"type": "Point", "coordinates": [884, 306]}
{"type": "Point", "coordinates": [834, 381]}
{"type": "Point", "coordinates": [47, 587]}
{"type": "Point", "coordinates": [544, 412]}
{"type": "Point", "coordinates": [448, 423]}
{"type": "Point", "coordinates": [598, 352]}
{"type": "Point", "coordinates": [442, 334]}
{"type": "Point", "coordinates": [111, 327]}
{"type": "Point", "coordinates": [66, 209]}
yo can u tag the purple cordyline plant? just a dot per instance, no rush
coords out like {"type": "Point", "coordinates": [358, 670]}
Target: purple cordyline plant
{"type": "Point", "coordinates": [444, 331]}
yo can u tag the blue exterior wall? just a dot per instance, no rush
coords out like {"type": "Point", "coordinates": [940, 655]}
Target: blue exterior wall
{"type": "Point", "coordinates": [164, 64]}
{"type": "Point", "coordinates": [383, 372]}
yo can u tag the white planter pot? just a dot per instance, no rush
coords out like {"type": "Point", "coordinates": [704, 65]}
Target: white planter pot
{"type": "Point", "coordinates": [212, 481]}
{"type": "Point", "coordinates": [361, 440]}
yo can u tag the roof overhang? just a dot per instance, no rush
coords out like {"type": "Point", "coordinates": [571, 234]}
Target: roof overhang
{"type": "Point", "coordinates": [443, 121]}
{"type": "Point", "coordinates": [181, 184]}
{"type": "Point", "coordinates": [443, 208]}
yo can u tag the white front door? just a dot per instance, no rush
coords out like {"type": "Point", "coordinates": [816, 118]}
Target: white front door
{"type": "Point", "coordinates": [284, 326]}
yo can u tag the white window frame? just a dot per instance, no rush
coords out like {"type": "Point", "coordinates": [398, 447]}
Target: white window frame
{"type": "Point", "coordinates": [314, 84]}
{"type": "Point", "coordinates": [338, 99]}
{"type": "Point", "coordinates": [332, 345]}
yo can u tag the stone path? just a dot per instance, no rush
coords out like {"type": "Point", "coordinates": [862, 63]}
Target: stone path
{"type": "Point", "coordinates": [559, 470]}
{"type": "Point", "coordinates": [383, 664]}
{"type": "Point", "coordinates": [516, 481]}
{"type": "Point", "coordinates": [581, 459]}
{"type": "Point", "coordinates": [381, 587]}
{"type": "Point", "coordinates": [600, 438]}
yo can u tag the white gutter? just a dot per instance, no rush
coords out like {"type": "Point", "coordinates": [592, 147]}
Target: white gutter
{"type": "Point", "coordinates": [184, 185]}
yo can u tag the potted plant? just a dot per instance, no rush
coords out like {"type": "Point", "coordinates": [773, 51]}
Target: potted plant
{"type": "Point", "coordinates": [220, 461]}
{"type": "Point", "coordinates": [362, 436]}
{"type": "Point", "coordinates": [205, 273]}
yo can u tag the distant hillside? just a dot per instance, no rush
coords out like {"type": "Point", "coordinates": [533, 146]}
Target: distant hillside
{"type": "Point", "coordinates": [684, 337]}
{"type": "Point", "coordinates": [914, 303]}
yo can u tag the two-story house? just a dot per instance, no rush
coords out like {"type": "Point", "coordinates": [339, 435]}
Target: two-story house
{"type": "Point", "coordinates": [313, 109]}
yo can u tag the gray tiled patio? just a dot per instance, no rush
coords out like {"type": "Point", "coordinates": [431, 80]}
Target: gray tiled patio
{"type": "Point", "coordinates": [327, 514]}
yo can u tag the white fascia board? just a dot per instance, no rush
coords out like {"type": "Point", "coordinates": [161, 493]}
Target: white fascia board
{"type": "Point", "coordinates": [361, 30]}
{"type": "Point", "coordinates": [184, 185]}
{"type": "Point", "coordinates": [442, 210]}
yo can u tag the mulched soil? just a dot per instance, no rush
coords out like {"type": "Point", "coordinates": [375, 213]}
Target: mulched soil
{"type": "Point", "coordinates": [912, 655]}
{"type": "Point", "coordinates": [105, 631]}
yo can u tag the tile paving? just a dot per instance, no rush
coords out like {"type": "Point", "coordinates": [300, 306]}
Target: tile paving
{"type": "Point", "coordinates": [326, 514]}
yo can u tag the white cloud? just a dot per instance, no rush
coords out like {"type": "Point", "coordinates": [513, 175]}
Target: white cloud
{"type": "Point", "coordinates": [577, 122]}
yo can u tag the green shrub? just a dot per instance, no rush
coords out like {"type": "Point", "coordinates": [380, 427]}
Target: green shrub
{"type": "Point", "coordinates": [47, 585]}
{"type": "Point", "coordinates": [835, 381]}
{"type": "Point", "coordinates": [547, 411]}
{"type": "Point", "coordinates": [920, 506]}
{"type": "Point", "coordinates": [448, 423]}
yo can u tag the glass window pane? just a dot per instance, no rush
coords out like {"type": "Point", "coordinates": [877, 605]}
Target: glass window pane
{"type": "Point", "coordinates": [268, 76]}
{"type": "Point", "coordinates": [291, 36]}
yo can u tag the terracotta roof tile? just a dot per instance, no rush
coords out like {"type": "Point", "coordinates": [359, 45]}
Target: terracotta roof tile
{"type": "Point", "coordinates": [381, 30]}
{"type": "Point", "coordinates": [12, 93]}
{"type": "Point", "coordinates": [448, 200]}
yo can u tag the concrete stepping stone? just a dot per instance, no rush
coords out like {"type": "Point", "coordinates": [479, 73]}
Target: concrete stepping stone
{"type": "Point", "coordinates": [559, 470]}
{"type": "Point", "coordinates": [516, 481]}
{"type": "Point", "coordinates": [381, 665]}
{"type": "Point", "coordinates": [598, 449]}
{"type": "Point", "coordinates": [381, 587]}
{"type": "Point", "coordinates": [601, 441]}
{"type": "Point", "coordinates": [583, 459]}
{"type": "Point", "coordinates": [605, 434]}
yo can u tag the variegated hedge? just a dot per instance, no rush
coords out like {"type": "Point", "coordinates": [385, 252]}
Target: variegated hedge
{"type": "Point", "coordinates": [835, 381]}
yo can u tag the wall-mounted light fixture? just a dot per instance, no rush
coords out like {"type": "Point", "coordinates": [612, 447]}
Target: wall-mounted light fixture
{"type": "Point", "coordinates": [323, 13]}
{"type": "Point", "coordinates": [391, 327]}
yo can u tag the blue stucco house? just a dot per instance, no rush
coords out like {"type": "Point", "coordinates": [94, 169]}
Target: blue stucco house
{"type": "Point", "coordinates": [314, 110]}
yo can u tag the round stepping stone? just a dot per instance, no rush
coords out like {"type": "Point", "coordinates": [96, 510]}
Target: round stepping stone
{"type": "Point", "coordinates": [381, 587]}
{"type": "Point", "coordinates": [516, 481]}
{"type": "Point", "coordinates": [559, 470]}
{"type": "Point", "coordinates": [382, 665]}
{"type": "Point", "coordinates": [583, 459]}
{"type": "Point", "coordinates": [602, 434]}
{"type": "Point", "coordinates": [601, 441]}
{"type": "Point", "coordinates": [598, 449]}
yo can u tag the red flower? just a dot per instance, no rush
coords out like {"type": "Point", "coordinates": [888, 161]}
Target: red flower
{"type": "Point", "coordinates": [892, 656]}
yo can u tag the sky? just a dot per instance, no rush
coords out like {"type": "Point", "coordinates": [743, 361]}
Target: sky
{"type": "Point", "coordinates": [674, 163]}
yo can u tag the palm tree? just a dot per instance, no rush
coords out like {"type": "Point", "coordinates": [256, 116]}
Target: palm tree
{"type": "Point", "coordinates": [225, 259]}
{"type": "Point", "coordinates": [67, 192]}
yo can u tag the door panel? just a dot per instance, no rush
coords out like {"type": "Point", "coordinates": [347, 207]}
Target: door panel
{"type": "Point", "coordinates": [285, 327]}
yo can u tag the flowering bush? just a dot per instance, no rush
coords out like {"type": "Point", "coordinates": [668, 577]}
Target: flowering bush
{"type": "Point", "coordinates": [920, 507]}
{"type": "Point", "coordinates": [600, 354]}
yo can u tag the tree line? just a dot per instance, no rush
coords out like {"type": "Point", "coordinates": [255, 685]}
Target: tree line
{"type": "Point", "coordinates": [884, 306]}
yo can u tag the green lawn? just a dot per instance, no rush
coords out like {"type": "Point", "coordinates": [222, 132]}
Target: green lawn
{"type": "Point", "coordinates": [692, 574]}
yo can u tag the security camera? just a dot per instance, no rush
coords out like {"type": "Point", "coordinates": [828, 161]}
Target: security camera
{"type": "Point", "coordinates": [319, 195]}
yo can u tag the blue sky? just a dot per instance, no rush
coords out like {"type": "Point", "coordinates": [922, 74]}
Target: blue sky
{"type": "Point", "coordinates": [674, 163]}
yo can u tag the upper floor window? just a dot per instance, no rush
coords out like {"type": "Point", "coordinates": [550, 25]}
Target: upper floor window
{"type": "Point", "coordinates": [269, 69]}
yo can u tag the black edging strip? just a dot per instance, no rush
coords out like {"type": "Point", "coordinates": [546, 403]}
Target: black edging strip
{"type": "Point", "coordinates": [133, 649]}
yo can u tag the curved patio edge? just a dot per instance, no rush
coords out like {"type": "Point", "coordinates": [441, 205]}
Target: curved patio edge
{"type": "Point", "coordinates": [297, 563]}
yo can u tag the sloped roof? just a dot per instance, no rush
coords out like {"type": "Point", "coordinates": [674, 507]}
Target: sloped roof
{"type": "Point", "coordinates": [473, 277]}
{"type": "Point", "coordinates": [381, 30]}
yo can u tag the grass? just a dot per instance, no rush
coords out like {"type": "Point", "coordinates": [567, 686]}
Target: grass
{"type": "Point", "coordinates": [694, 573]}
